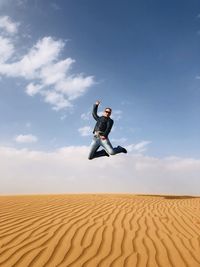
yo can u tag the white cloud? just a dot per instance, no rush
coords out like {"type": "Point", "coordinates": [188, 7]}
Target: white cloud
{"type": "Point", "coordinates": [33, 89]}
{"type": "Point", "coordinates": [52, 74]}
{"type": "Point", "coordinates": [48, 75]}
{"type": "Point", "coordinates": [67, 170]}
{"type": "Point", "coordinates": [139, 147]}
{"type": "Point", "coordinates": [57, 100]}
{"type": "Point", "coordinates": [6, 49]}
{"type": "Point", "coordinates": [45, 52]}
{"type": "Point", "coordinates": [85, 131]}
{"type": "Point", "coordinates": [119, 140]}
{"type": "Point", "coordinates": [27, 138]}
{"type": "Point", "coordinates": [86, 116]}
{"type": "Point", "coordinates": [74, 86]}
{"type": "Point", "coordinates": [8, 25]}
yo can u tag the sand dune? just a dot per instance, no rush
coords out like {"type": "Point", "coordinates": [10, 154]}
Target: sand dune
{"type": "Point", "coordinates": [99, 230]}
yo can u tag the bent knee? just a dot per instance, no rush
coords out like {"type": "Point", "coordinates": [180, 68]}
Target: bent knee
{"type": "Point", "coordinates": [111, 152]}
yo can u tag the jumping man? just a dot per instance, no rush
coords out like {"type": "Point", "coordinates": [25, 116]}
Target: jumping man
{"type": "Point", "coordinates": [101, 131]}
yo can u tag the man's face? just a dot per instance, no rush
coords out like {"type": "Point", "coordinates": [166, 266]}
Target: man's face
{"type": "Point", "coordinates": [107, 112]}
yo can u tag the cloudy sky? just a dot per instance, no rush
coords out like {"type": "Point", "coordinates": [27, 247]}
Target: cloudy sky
{"type": "Point", "coordinates": [140, 57]}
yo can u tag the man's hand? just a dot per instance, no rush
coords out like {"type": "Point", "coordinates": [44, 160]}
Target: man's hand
{"type": "Point", "coordinates": [97, 102]}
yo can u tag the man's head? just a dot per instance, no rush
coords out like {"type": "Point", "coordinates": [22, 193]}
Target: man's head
{"type": "Point", "coordinates": [107, 112]}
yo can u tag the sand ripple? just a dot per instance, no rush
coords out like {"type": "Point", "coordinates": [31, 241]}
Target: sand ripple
{"type": "Point", "coordinates": [99, 230]}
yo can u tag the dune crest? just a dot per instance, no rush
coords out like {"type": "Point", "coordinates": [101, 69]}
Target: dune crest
{"type": "Point", "coordinates": [99, 230]}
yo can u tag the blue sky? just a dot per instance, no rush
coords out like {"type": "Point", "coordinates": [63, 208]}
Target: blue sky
{"type": "Point", "coordinates": [139, 57]}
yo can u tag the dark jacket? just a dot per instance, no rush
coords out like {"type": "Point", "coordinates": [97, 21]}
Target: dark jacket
{"type": "Point", "coordinates": [103, 123]}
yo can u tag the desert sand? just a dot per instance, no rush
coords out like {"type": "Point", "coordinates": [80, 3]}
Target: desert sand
{"type": "Point", "coordinates": [99, 230]}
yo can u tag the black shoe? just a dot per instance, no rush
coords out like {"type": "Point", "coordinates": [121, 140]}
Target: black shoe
{"type": "Point", "coordinates": [106, 154]}
{"type": "Point", "coordinates": [102, 153]}
{"type": "Point", "coordinates": [123, 150]}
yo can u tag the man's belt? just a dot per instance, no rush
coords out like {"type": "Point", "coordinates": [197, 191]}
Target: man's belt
{"type": "Point", "coordinates": [98, 133]}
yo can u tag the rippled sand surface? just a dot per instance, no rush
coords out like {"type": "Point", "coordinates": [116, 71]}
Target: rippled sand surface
{"type": "Point", "coordinates": [99, 230]}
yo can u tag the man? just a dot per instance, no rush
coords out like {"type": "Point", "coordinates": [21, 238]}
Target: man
{"type": "Point", "coordinates": [101, 131]}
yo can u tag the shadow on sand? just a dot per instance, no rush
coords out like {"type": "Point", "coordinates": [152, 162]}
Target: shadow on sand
{"type": "Point", "coordinates": [179, 197]}
{"type": "Point", "coordinates": [173, 196]}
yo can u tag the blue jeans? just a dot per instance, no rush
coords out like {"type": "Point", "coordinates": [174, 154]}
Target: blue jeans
{"type": "Point", "coordinates": [108, 149]}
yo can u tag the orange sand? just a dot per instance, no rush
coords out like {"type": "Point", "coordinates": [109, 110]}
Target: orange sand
{"type": "Point", "coordinates": [99, 230]}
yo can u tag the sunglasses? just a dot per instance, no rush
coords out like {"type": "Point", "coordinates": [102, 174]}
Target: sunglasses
{"type": "Point", "coordinates": [108, 111]}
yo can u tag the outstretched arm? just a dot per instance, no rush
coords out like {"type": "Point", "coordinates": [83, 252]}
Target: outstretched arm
{"type": "Point", "coordinates": [94, 112]}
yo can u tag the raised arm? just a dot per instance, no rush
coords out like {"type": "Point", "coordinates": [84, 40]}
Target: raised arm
{"type": "Point", "coordinates": [95, 108]}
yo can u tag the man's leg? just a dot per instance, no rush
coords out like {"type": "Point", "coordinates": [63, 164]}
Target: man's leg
{"type": "Point", "coordinates": [109, 148]}
{"type": "Point", "coordinates": [93, 149]}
